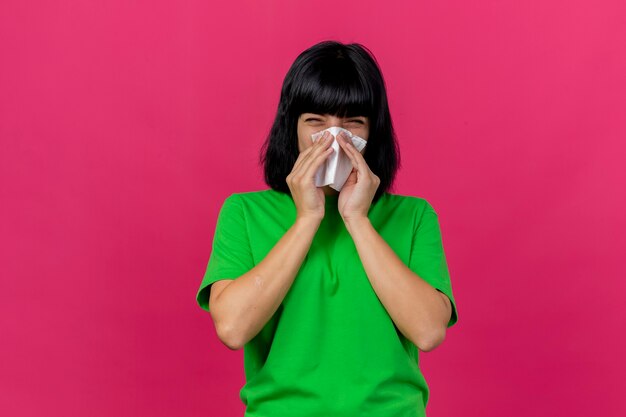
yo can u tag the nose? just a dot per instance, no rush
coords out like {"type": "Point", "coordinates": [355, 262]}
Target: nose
{"type": "Point", "coordinates": [335, 121]}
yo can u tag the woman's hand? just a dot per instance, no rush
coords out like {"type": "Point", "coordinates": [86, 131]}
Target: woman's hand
{"type": "Point", "coordinates": [359, 189]}
{"type": "Point", "coordinates": [308, 198]}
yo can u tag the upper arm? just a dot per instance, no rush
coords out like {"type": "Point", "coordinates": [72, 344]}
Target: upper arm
{"type": "Point", "coordinates": [231, 254]}
{"type": "Point", "coordinates": [428, 259]}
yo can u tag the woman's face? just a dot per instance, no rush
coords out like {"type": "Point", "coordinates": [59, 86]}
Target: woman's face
{"type": "Point", "coordinates": [309, 123]}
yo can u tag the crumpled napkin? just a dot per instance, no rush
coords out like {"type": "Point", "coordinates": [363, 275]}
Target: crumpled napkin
{"type": "Point", "coordinates": [337, 167]}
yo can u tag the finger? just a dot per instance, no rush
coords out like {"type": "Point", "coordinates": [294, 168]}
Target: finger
{"type": "Point", "coordinates": [305, 154]}
{"type": "Point", "coordinates": [362, 170]}
{"type": "Point", "coordinates": [317, 146]}
{"type": "Point", "coordinates": [302, 156]}
{"type": "Point", "coordinates": [352, 177]}
{"type": "Point", "coordinates": [317, 158]}
{"type": "Point", "coordinates": [352, 152]}
{"type": "Point", "coordinates": [320, 147]}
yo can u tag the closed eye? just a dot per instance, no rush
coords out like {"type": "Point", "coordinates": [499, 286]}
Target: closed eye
{"type": "Point", "coordinates": [349, 121]}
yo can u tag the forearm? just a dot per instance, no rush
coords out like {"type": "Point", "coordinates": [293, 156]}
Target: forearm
{"type": "Point", "coordinates": [416, 308]}
{"type": "Point", "coordinates": [246, 305]}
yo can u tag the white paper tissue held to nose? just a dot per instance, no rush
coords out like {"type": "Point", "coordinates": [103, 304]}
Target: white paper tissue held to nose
{"type": "Point", "coordinates": [337, 167]}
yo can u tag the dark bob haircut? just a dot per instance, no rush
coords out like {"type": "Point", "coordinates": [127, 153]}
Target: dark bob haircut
{"type": "Point", "coordinates": [341, 80]}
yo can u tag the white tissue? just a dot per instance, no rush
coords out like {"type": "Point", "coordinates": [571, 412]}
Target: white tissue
{"type": "Point", "coordinates": [337, 167]}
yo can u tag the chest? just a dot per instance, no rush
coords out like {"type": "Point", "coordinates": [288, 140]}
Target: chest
{"type": "Point", "coordinates": [332, 266]}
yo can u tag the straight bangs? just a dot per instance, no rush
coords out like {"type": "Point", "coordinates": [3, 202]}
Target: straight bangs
{"type": "Point", "coordinates": [333, 89]}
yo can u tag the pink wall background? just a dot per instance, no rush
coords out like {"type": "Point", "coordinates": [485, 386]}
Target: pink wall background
{"type": "Point", "coordinates": [124, 125]}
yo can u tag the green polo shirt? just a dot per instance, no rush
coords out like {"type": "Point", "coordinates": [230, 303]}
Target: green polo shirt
{"type": "Point", "coordinates": [331, 348]}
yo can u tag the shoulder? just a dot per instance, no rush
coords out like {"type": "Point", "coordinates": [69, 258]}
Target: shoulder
{"type": "Point", "coordinates": [258, 196]}
{"type": "Point", "coordinates": [259, 200]}
{"type": "Point", "coordinates": [414, 210]}
{"type": "Point", "coordinates": [418, 204]}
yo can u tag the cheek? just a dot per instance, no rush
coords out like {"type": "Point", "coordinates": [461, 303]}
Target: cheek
{"type": "Point", "coordinates": [303, 143]}
{"type": "Point", "coordinates": [304, 139]}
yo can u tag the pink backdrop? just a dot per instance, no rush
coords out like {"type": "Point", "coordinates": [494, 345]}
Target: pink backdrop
{"type": "Point", "coordinates": [124, 125]}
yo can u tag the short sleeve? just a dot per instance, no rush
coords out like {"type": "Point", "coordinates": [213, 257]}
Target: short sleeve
{"type": "Point", "coordinates": [231, 255]}
{"type": "Point", "coordinates": [428, 258]}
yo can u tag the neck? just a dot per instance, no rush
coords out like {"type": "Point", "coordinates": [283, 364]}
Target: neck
{"type": "Point", "coordinates": [328, 191]}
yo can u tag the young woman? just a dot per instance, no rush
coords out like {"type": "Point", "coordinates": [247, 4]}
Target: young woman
{"type": "Point", "coordinates": [331, 294]}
